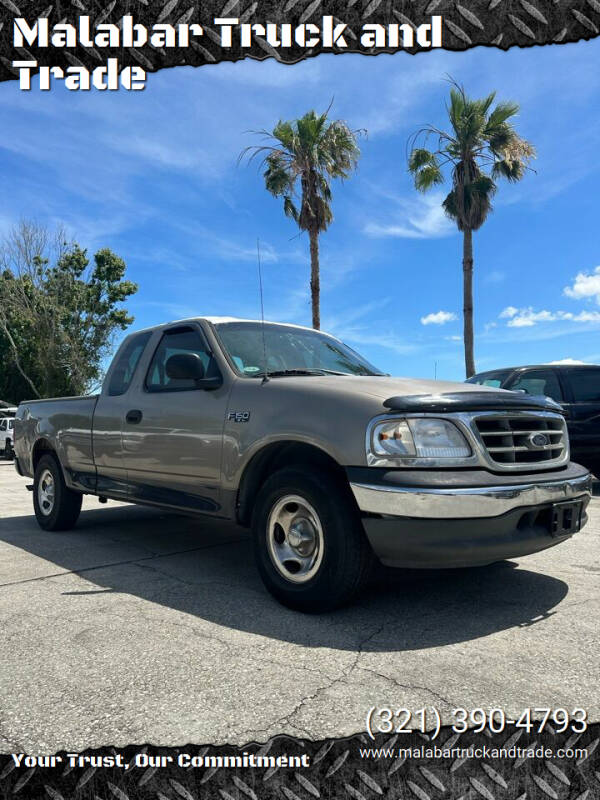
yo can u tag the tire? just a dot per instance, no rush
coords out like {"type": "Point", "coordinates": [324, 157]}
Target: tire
{"type": "Point", "coordinates": [311, 550]}
{"type": "Point", "coordinates": [56, 506]}
{"type": "Point", "coordinates": [8, 451]}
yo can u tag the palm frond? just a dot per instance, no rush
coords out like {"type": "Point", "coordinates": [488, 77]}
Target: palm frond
{"type": "Point", "coordinates": [289, 208]}
{"type": "Point", "coordinates": [419, 158]}
{"type": "Point", "coordinates": [502, 113]}
{"type": "Point", "coordinates": [513, 171]}
{"type": "Point", "coordinates": [427, 177]}
{"type": "Point", "coordinates": [424, 166]}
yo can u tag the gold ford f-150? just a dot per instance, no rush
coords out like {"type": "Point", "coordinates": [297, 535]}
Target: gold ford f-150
{"type": "Point", "coordinates": [331, 463]}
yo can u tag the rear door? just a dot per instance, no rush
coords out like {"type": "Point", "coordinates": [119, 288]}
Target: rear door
{"type": "Point", "coordinates": [173, 431]}
{"type": "Point", "coordinates": [583, 386]}
{"type": "Point", "coordinates": [110, 413]}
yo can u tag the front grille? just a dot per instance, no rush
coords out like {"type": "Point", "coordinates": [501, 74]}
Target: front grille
{"type": "Point", "coordinates": [523, 439]}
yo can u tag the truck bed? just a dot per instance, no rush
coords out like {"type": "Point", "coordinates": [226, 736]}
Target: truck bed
{"type": "Point", "coordinates": [65, 422]}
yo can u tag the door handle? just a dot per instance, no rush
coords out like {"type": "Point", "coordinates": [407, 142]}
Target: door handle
{"type": "Point", "coordinates": [134, 416]}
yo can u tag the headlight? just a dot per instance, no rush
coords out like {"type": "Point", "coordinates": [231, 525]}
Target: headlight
{"type": "Point", "coordinates": [418, 438]}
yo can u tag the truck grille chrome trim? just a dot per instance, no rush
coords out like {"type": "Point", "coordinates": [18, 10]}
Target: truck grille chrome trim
{"type": "Point", "coordinates": [523, 439]}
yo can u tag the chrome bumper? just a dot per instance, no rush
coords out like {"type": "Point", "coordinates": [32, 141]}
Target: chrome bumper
{"type": "Point", "coordinates": [470, 503]}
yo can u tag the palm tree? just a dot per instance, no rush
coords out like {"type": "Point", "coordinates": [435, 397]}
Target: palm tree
{"type": "Point", "coordinates": [310, 150]}
{"type": "Point", "coordinates": [481, 146]}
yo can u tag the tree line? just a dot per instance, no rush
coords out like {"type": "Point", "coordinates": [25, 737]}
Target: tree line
{"type": "Point", "coordinates": [59, 313]}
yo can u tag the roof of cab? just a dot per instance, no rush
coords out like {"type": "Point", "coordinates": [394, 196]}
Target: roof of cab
{"type": "Point", "coordinates": [221, 320]}
{"type": "Point", "coordinates": [534, 366]}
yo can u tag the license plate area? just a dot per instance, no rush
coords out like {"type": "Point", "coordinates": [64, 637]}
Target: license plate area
{"type": "Point", "coordinates": [566, 518]}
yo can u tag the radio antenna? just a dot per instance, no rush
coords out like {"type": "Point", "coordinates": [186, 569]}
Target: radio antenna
{"type": "Point", "coordinates": [262, 313]}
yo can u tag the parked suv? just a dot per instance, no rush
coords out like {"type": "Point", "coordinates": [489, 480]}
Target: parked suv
{"type": "Point", "coordinates": [7, 425]}
{"type": "Point", "coordinates": [575, 387]}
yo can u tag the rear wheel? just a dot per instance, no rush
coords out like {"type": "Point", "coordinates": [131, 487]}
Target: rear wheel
{"type": "Point", "coordinates": [8, 451]}
{"type": "Point", "coordinates": [56, 506]}
{"type": "Point", "coordinates": [311, 550]}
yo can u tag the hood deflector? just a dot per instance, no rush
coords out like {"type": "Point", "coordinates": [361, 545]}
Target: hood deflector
{"type": "Point", "coordinates": [471, 401]}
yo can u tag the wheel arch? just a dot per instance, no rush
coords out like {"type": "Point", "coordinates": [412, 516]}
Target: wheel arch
{"type": "Point", "coordinates": [273, 457]}
{"type": "Point", "coordinates": [41, 448]}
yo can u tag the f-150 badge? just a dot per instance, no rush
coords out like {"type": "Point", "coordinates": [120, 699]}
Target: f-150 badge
{"type": "Point", "coordinates": [238, 416]}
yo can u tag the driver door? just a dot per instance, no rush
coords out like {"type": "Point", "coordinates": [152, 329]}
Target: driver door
{"type": "Point", "coordinates": [172, 433]}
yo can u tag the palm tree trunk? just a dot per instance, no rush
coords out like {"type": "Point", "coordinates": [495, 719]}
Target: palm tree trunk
{"type": "Point", "coordinates": [315, 282]}
{"type": "Point", "coordinates": [468, 300]}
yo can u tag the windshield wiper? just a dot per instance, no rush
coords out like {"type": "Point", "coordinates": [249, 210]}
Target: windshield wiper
{"type": "Point", "coordinates": [278, 372]}
{"type": "Point", "coordinates": [333, 372]}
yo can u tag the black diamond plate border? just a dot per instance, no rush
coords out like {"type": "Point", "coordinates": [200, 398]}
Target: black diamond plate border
{"type": "Point", "coordinates": [500, 23]}
{"type": "Point", "coordinates": [336, 771]}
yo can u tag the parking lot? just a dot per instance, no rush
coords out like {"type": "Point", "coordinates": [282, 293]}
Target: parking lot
{"type": "Point", "coordinates": [143, 626]}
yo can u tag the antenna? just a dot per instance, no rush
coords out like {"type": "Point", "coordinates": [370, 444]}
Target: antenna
{"type": "Point", "coordinates": [262, 313]}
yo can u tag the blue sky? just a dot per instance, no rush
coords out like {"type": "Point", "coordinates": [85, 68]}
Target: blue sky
{"type": "Point", "coordinates": [154, 176]}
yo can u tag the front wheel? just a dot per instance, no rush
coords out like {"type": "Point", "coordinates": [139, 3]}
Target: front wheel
{"type": "Point", "coordinates": [8, 451]}
{"type": "Point", "coordinates": [310, 546]}
{"type": "Point", "coordinates": [56, 506]}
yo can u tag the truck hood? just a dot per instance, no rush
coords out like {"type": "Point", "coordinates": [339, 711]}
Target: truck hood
{"type": "Point", "coordinates": [416, 394]}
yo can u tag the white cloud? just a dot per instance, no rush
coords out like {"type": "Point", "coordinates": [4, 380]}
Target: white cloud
{"type": "Point", "coordinates": [527, 317]}
{"type": "Point", "coordinates": [496, 276]}
{"type": "Point", "coordinates": [568, 361]}
{"type": "Point", "coordinates": [420, 217]}
{"type": "Point", "coordinates": [585, 285]}
{"type": "Point", "coordinates": [438, 318]}
{"type": "Point", "coordinates": [453, 338]}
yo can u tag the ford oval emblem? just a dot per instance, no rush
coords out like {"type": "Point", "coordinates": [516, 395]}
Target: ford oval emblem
{"type": "Point", "coordinates": [537, 441]}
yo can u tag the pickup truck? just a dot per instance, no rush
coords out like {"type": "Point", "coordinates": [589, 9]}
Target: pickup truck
{"type": "Point", "coordinates": [330, 462]}
{"type": "Point", "coordinates": [6, 436]}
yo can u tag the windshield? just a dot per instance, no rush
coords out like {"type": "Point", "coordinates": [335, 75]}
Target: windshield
{"type": "Point", "coordinates": [495, 379]}
{"type": "Point", "coordinates": [289, 350]}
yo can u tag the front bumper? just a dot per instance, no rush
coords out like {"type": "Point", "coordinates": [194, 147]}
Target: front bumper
{"type": "Point", "coordinates": [415, 521]}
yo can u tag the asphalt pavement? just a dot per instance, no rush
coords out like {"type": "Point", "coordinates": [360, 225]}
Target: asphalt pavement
{"type": "Point", "coordinates": [141, 626]}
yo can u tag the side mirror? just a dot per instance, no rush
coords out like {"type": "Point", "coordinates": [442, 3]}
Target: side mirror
{"type": "Point", "coordinates": [189, 367]}
{"type": "Point", "coordinates": [185, 366]}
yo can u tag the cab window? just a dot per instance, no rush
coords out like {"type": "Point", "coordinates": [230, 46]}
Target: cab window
{"type": "Point", "coordinates": [538, 382]}
{"type": "Point", "coordinates": [494, 379]}
{"type": "Point", "coordinates": [122, 374]}
{"type": "Point", "coordinates": [585, 385]}
{"type": "Point", "coordinates": [173, 342]}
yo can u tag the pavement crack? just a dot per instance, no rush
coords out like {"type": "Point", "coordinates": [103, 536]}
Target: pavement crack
{"type": "Point", "coordinates": [288, 719]}
{"type": "Point", "coordinates": [410, 686]}
{"type": "Point", "coordinates": [14, 746]}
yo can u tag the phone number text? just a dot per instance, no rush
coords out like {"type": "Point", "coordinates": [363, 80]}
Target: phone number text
{"type": "Point", "coordinates": [390, 720]}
